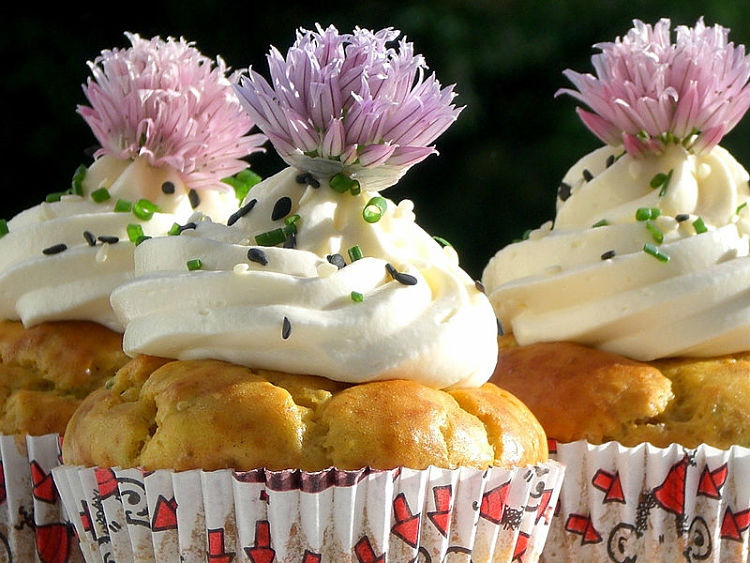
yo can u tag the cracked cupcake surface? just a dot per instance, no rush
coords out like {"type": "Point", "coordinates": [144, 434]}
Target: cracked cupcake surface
{"type": "Point", "coordinates": [599, 396]}
{"type": "Point", "coordinates": [209, 414]}
{"type": "Point", "coordinates": [47, 370]}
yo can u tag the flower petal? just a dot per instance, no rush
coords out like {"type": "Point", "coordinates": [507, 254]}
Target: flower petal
{"type": "Point", "coordinates": [167, 102]}
{"type": "Point", "coordinates": [645, 83]}
{"type": "Point", "coordinates": [353, 98]}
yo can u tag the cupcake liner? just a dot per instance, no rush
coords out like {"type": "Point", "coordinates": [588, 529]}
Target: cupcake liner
{"type": "Point", "coordinates": [651, 504]}
{"type": "Point", "coordinates": [33, 523]}
{"type": "Point", "coordinates": [311, 517]}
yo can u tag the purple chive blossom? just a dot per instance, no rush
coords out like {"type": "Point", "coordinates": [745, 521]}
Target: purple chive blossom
{"type": "Point", "coordinates": [165, 101]}
{"type": "Point", "coordinates": [649, 91]}
{"type": "Point", "coordinates": [351, 103]}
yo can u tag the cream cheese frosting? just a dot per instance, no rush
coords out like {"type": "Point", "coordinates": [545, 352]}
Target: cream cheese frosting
{"type": "Point", "coordinates": [55, 266]}
{"type": "Point", "coordinates": [646, 257]}
{"type": "Point", "coordinates": [405, 309]}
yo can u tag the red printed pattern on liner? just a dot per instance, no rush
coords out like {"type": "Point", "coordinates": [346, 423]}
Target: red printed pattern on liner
{"type": "Point", "coordinates": [691, 493]}
{"type": "Point", "coordinates": [417, 514]}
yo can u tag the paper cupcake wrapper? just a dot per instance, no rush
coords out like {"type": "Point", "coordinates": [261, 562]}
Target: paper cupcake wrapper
{"type": "Point", "coordinates": [433, 515]}
{"type": "Point", "coordinates": [644, 504]}
{"type": "Point", "coordinates": [33, 523]}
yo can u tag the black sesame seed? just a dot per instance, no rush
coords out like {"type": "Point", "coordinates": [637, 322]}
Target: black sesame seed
{"type": "Point", "coordinates": [109, 239]}
{"type": "Point", "coordinates": [682, 217]}
{"type": "Point", "coordinates": [55, 249]}
{"type": "Point", "coordinates": [89, 238]}
{"type": "Point", "coordinates": [609, 254]}
{"type": "Point", "coordinates": [286, 328]}
{"type": "Point", "coordinates": [308, 180]}
{"type": "Point", "coordinates": [291, 241]}
{"type": "Point", "coordinates": [257, 255]}
{"type": "Point", "coordinates": [563, 191]}
{"type": "Point", "coordinates": [588, 176]}
{"type": "Point", "coordinates": [195, 199]}
{"type": "Point", "coordinates": [167, 187]}
{"type": "Point", "coordinates": [479, 285]}
{"type": "Point", "coordinates": [610, 160]}
{"type": "Point", "coordinates": [241, 212]}
{"type": "Point", "coordinates": [405, 279]}
{"type": "Point", "coordinates": [337, 260]}
{"type": "Point", "coordinates": [185, 227]}
{"type": "Point", "coordinates": [500, 330]}
{"type": "Point", "coordinates": [400, 277]}
{"type": "Point", "coordinates": [281, 208]}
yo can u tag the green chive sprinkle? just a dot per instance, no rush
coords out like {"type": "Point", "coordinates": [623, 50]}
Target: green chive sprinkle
{"type": "Point", "coordinates": [600, 223]}
{"type": "Point", "coordinates": [651, 249]}
{"type": "Point", "coordinates": [355, 253]}
{"type": "Point", "coordinates": [134, 231]}
{"type": "Point", "coordinates": [658, 180]}
{"type": "Point", "coordinates": [290, 229]}
{"type": "Point", "coordinates": [357, 297]}
{"type": "Point", "coordinates": [174, 230]}
{"type": "Point", "coordinates": [656, 234]}
{"type": "Point", "coordinates": [661, 180]}
{"type": "Point", "coordinates": [141, 238]}
{"type": "Point", "coordinates": [441, 241]}
{"type": "Point", "coordinates": [355, 188]}
{"type": "Point", "coordinates": [242, 182]}
{"type": "Point", "coordinates": [54, 196]}
{"type": "Point", "coordinates": [646, 213]}
{"type": "Point", "coordinates": [144, 209]}
{"type": "Point", "coordinates": [100, 195]}
{"type": "Point", "coordinates": [194, 264]}
{"type": "Point", "coordinates": [291, 220]}
{"type": "Point", "coordinates": [374, 209]}
{"type": "Point", "coordinates": [341, 183]}
{"type": "Point", "coordinates": [699, 226]}
{"type": "Point", "coordinates": [76, 184]}
{"type": "Point", "coordinates": [123, 206]}
{"type": "Point", "coordinates": [740, 207]}
{"type": "Point", "coordinates": [526, 234]}
{"type": "Point", "coordinates": [3, 228]}
{"type": "Point", "coordinates": [270, 238]}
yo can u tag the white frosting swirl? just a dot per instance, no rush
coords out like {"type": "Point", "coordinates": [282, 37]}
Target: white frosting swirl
{"type": "Point", "coordinates": [440, 331]}
{"type": "Point", "coordinates": [597, 285]}
{"type": "Point", "coordinates": [75, 284]}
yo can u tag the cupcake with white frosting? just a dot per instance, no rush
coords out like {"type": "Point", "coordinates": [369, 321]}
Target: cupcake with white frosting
{"type": "Point", "coordinates": [322, 335]}
{"type": "Point", "coordinates": [170, 128]}
{"type": "Point", "coordinates": [627, 316]}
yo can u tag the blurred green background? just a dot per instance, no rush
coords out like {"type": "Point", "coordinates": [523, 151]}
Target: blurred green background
{"type": "Point", "coordinates": [499, 164]}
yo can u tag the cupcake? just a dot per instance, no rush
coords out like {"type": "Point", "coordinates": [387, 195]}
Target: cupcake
{"type": "Point", "coordinates": [309, 380]}
{"type": "Point", "coordinates": [627, 316]}
{"type": "Point", "coordinates": [170, 129]}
